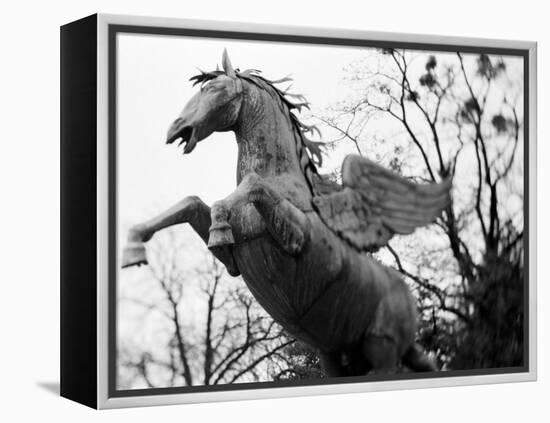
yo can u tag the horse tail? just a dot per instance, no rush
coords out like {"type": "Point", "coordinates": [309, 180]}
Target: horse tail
{"type": "Point", "coordinates": [416, 359]}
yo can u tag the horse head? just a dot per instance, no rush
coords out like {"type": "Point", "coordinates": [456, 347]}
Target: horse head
{"type": "Point", "coordinates": [271, 138]}
{"type": "Point", "coordinates": [214, 108]}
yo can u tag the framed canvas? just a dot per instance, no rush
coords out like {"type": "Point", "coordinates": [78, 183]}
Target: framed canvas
{"type": "Point", "coordinates": [253, 211]}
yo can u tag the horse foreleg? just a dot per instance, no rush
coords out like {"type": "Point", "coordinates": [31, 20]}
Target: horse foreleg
{"type": "Point", "coordinates": [190, 210]}
{"type": "Point", "coordinates": [287, 224]}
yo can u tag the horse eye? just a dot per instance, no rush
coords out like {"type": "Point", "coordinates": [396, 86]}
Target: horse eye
{"type": "Point", "coordinates": [208, 86]}
{"type": "Point", "coordinates": [216, 87]}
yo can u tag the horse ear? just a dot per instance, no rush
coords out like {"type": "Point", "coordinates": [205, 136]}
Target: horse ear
{"type": "Point", "coordinates": [226, 64]}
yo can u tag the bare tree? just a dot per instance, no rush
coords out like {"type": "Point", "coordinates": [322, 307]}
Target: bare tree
{"type": "Point", "coordinates": [454, 114]}
{"type": "Point", "coordinates": [214, 330]}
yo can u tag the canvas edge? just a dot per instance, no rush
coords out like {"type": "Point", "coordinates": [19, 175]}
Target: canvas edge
{"type": "Point", "coordinates": [102, 212]}
{"type": "Point", "coordinates": [103, 400]}
{"type": "Point", "coordinates": [78, 280]}
{"type": "Point", "coordinates": [533, 129]}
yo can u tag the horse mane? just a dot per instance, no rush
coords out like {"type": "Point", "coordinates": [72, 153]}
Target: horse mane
{"type": "Point", "coordinates": [309, 152]}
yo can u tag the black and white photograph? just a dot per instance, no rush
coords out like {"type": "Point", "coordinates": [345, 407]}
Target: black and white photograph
{"type": "Point", "coordinates": [275, 211]}
{"type": "Point", "coordinates": [293, 213]}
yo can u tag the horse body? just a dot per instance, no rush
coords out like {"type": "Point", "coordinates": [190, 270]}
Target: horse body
{"type": "Point", "coordinates": [329, 295]}
{"type": "Point", "coordinates": [358, 313]}
{"type": "Point", "coordinates": [312, 301]}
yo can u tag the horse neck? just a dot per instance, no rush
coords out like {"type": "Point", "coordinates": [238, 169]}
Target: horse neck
{"type": "Point", "coordinates": [266, 138]}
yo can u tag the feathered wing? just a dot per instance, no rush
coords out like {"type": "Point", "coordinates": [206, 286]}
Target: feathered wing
{"type": "Point", "coordinates": [376, 203]}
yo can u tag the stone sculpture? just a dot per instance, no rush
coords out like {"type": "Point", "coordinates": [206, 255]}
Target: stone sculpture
{"type": "Point", "coordinates": [301, 242]}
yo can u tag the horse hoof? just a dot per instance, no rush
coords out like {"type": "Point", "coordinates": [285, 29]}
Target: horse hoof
{"type": "Point", "coordinates": [134, 255]}
{"type": "Point", "coordinates": [220, 235]}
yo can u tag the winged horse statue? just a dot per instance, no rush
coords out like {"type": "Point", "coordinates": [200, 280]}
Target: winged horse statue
{"type": "Point", "coordinates": [300, 242]}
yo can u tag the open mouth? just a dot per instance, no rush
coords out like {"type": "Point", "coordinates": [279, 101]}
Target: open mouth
{"type": "Point", "coordinates": [185, 135]}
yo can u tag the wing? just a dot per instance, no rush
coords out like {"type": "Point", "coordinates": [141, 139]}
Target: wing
{"type": "Point", "coordinates": [376, 203]}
